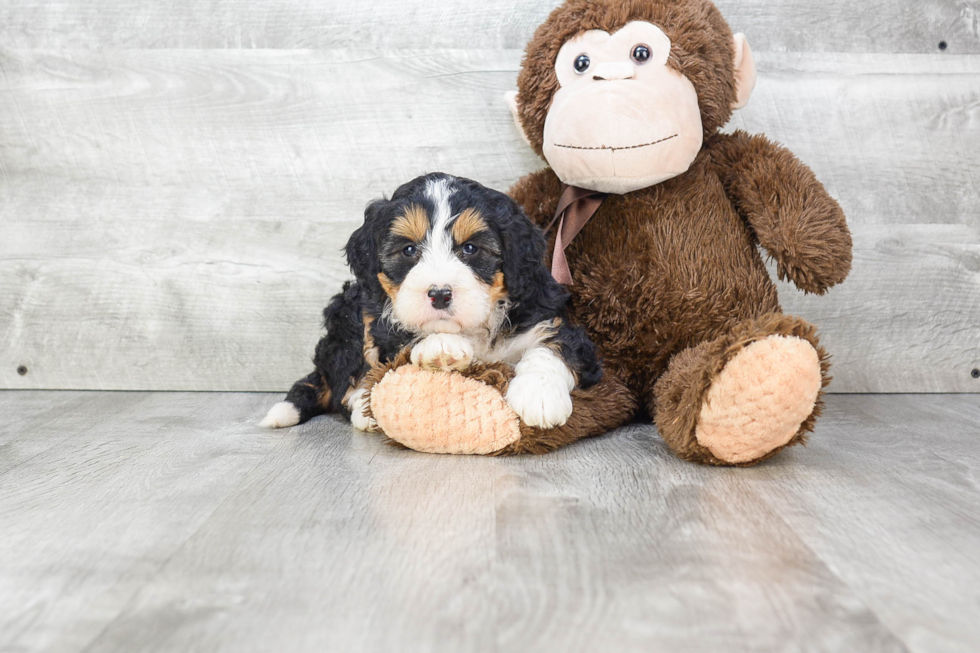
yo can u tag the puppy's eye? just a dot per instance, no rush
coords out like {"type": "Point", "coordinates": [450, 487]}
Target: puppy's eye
{"type": "Point", "coordinates": [641, 53]}
{"type": "Point", "coordinates": [582, 63]}
{"type": "Point", "coordinates": [410, 251]}
{"type": "Point", "coordinates": [470, 249]}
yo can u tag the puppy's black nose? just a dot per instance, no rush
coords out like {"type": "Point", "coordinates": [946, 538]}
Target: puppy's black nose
{"type": "Point", "coordinates": [441, 297]}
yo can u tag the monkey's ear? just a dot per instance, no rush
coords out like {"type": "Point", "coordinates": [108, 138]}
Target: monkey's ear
{"type": "Point", "coordinates": [745, 75]}
{"type": "Point", "coordinates": [511, 99]}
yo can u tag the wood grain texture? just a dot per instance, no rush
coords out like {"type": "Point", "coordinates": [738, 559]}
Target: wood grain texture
{"type": "Point", "coordinates": [173, 220]}
{"type": "Point", "coordinates": [786, 25]}
{"type": "Point", "coordinates": [170, 522]}
{"type": "Point", "coordinates": [97, 491]}
{"type": "Point", "coordinates": [908, 447]}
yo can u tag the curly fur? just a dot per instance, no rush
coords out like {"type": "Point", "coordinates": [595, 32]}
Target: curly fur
{"type": "Point", "coordinates": [362, 330]}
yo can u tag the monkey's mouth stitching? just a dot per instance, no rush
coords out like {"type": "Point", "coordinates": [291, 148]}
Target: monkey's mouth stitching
{"type": "Point", "coordinates": [606, 147]}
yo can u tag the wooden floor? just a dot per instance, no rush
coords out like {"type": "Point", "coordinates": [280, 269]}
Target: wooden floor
{"type": "Point", "coordinates": [170, 522]}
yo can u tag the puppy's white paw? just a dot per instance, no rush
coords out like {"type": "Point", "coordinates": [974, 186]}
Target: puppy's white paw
{"type": "Point", "coordinates": [357, 404]}
{"type": "Point", "coordinates": [540, 391]}
{"type": "Point", "coordinates": [280, 416]}
{"type": "Point", "coordinates": [541, 400]}
{"type": "Point", "coordinates": [443, 351]}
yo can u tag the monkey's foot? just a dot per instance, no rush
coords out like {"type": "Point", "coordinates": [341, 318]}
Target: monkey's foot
{"type": "Point", "coordinates": [742, 397]}
{"type": "Point", "coordinates": [759, 400]}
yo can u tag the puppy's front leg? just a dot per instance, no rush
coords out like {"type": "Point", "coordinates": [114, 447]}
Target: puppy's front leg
{"type": "Point", "coordinates": [443, 351]}
{"type": "Point", "coordinates": [540, 392]}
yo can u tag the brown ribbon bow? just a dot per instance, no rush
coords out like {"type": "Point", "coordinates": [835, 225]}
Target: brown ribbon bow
{"type": "Point", "coordinates": [575, 207]}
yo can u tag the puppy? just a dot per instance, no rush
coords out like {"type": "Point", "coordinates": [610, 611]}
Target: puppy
{"type": "Point", "coordinates": [455, 271]}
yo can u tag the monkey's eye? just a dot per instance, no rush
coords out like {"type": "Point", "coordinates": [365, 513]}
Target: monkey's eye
{"type": "Point", "coordinates": [641, 53]}
{"type": "Point", "coordinates": [582, 63]}
{"type": "Point", "coordinates": [470, 249]}
{"type": "Point", "coordinates": [410, 251]}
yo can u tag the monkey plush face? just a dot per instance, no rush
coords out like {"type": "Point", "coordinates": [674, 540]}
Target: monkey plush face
{"type": "Point", "coordinates": [621, 119]}
{"type": "Point", "coordinates": [618, 96]}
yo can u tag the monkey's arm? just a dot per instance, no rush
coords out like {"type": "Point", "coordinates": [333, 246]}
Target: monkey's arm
{"type": "Point", "coordinates": [792, 215]}
{"type": "Point", "coordinates": [538, 193]}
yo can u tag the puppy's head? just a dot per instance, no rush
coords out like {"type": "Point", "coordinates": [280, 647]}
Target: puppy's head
{"type": "Point", "coordinates": [446, 254]}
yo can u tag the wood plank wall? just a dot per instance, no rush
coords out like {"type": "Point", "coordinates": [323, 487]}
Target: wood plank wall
{"type": "Point", "coordinates": [176, 184]}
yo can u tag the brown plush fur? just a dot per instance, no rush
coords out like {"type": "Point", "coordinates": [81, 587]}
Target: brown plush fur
{"type": "Point", "coordinates": [670, 276]}
{"type": "Point", "coordinates": [767, 184]}
{"type": "Point", "coordinates": [596, 410]}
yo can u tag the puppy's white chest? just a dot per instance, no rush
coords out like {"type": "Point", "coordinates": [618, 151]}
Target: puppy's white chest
{"type": "Point", "coordinates": [506, 350]}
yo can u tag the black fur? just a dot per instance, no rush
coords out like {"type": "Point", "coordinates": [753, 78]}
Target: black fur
{"type": "Point", "coordinates": [305, 396]}
{"type": "Point", "coordinates": [363, 245]}
{"type": "Point", "coordinates": [579, 354]}
{"type": "Point", "coordinates": [516, 247]}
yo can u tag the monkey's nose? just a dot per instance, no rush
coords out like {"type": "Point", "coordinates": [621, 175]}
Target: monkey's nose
{"type": "Point", "coordinates": [609, 70]}
{"type": "Point", "coordinates": [441, 298]}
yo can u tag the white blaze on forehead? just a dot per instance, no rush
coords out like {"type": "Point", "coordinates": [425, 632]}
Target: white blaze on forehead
{"type": "Point", "coordinates": [439, 191]}
{"type": "Point", "coordinates": [438, 258]}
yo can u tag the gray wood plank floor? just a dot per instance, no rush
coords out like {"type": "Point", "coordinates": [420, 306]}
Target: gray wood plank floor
{"type": "Point", "coordinates": [170, 522]}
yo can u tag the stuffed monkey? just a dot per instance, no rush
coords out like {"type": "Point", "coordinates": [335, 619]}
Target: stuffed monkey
{"type": "Point", "coordinates": [662, 216]}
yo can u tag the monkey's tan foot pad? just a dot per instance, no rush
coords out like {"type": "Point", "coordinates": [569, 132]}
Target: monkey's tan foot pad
{"type": "Point", "coordinates": [758, 402]}
{"type": "Point", "coordinates": [443, 412]}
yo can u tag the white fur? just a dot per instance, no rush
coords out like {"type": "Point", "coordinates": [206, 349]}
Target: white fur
{"type": "Point", "coordinates": [280, 416]}
{"type": "Point", "coordinates": [439, 267]}
{"type": "Point", "coordinates": [357, 403]}
{"type": "Point", "coordinates": [540, 392]}
{"type": "Point", "coordinates": [443, 351]}
{"type": "Point", "coordinates": [439, 192]}
{"type": "Point", "coordinates": [512, 350]}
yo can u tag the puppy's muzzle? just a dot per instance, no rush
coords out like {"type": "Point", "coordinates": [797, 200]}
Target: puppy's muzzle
{"type": "Point", "coordinates": [441, 298]}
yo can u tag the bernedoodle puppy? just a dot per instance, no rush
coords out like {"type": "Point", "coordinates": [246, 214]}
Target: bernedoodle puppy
{"type": "Point", "coordinates": [455, 271]}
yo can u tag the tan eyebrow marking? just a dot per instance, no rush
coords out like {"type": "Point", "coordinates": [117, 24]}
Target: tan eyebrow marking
{"type": "Point", "coordinates": [413, 225]}
{"type": "Point", "coordinates": [468, 224]}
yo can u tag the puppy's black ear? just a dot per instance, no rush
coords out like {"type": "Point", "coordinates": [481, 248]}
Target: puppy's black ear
{"type": "Point", "coordinates": [527, 278]}
{"type": "Point", "coordinates": [362, 248]}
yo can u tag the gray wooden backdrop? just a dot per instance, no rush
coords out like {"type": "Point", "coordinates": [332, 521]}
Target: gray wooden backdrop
{"type": "Point", "coordinates": [177, 178]}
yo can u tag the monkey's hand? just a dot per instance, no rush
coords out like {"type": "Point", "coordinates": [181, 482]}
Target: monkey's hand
{"type": "Point", "coordinates": [792, 215]}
